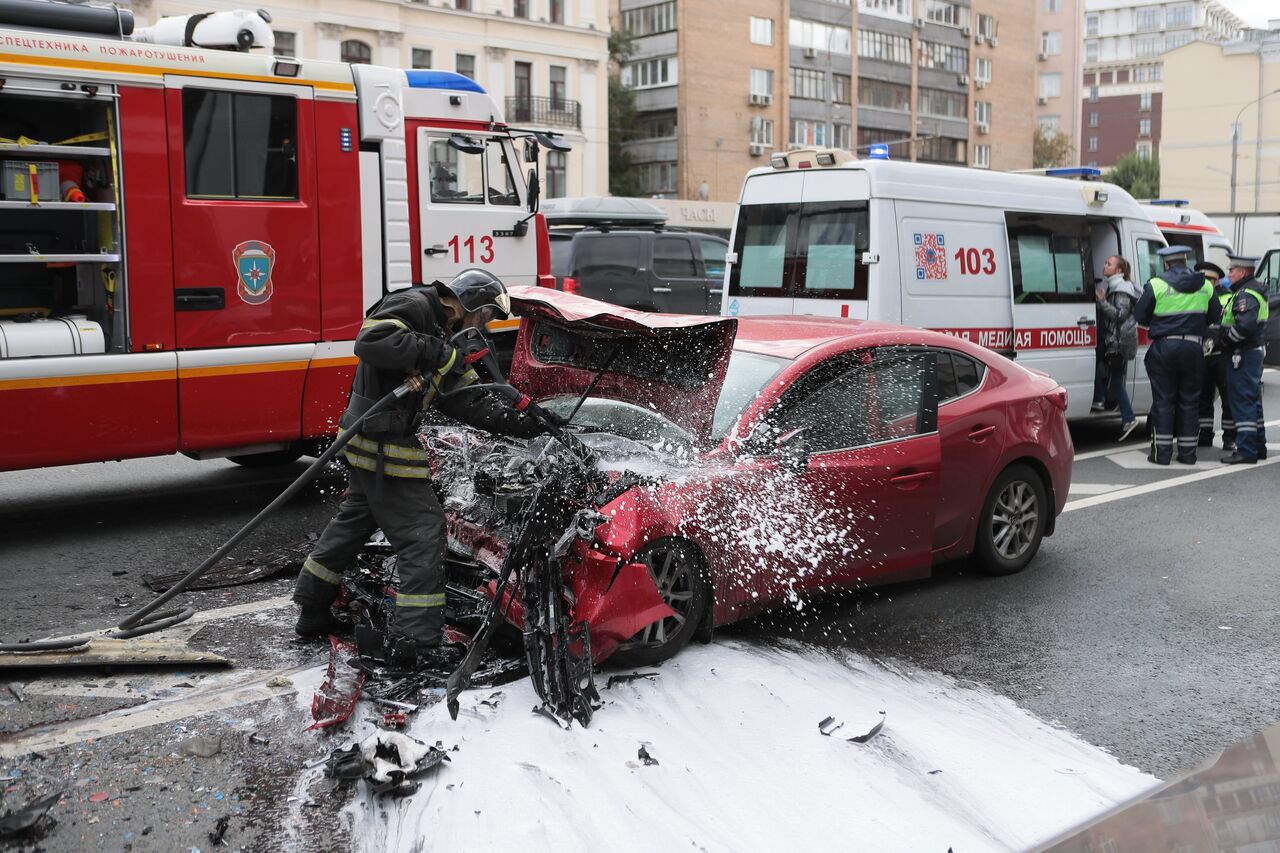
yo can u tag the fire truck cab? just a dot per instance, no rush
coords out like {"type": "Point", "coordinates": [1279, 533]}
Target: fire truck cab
{"type": "Point", "coordinates": [189, 237]}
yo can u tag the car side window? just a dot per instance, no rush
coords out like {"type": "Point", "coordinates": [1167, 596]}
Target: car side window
{"type": "Point", "coordinates": [713, 252]}
{"type": "Point", "coordinates": [957, 375]}
{"type": "Point", "coordinates": [607, 255]}
{"type": "Point", "coordinates": [673, 257]}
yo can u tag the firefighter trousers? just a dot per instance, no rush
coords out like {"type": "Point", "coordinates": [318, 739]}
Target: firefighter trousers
{"type": "Point", "coordinates": [1216, 368]}
{"type": "Point", "coordinates": [1246, 404]}
{"type": "Point", "coordinates": [1176, 370]}
{"type": "Point", "coordinates": [410, 516]}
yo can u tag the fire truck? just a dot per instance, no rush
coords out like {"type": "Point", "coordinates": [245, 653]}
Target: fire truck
{"type": "Point", "coordinates": [190, 235]}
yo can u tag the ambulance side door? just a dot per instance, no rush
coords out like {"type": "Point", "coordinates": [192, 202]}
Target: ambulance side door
{"type": "Point", "coordinates": [1054, 310]}
{"type": "Point", "coordinates": [1145, 263]}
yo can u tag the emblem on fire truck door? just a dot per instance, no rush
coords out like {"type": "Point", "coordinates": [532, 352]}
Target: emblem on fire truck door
{"type": "Point", "coordinates": [254, 261]}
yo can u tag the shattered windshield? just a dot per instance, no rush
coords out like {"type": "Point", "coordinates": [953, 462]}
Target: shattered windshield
{"type": "Point", "coordinates": [747, 375]}
{"type": "Point", "coordinates": [620, 418]}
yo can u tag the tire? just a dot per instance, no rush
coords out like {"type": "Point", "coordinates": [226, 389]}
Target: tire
{"type": "Point", "coordinates": [1013, 521]}
{"type": "Point", "coordinates": [270, 459]}
{"type": "Point", "coordinates": [681, 575]}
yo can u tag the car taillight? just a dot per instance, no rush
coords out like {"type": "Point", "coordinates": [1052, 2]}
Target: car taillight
{"type": "Point", "coordinates": [569, 284]}
{"type": "Point", "coordinates": [1058, 396]}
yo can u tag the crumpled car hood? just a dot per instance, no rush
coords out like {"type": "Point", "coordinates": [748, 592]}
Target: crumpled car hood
{"type": "Point", "coordinates": [672, 363]}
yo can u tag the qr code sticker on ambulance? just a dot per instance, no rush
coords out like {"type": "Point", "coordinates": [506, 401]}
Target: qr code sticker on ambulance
{"type": "Point", "coordinates": [931, 256]}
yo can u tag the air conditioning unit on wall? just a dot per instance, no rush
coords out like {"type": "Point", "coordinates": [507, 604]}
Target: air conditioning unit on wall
{"type": "Point", "coordinates": [962, 79]}
{"type": "Point", "coordinates": [756, 149]}
{"type": "Point", "coordinates": [980, 84]}
{"type": "Point", "coordinates": [984, 128]}
{"type": "Point", "coordinates": [810, 52]}
{"type": "Point", "coordinates": [759, 100]}
{"type": "Point", "coordinates": [1042, 100]}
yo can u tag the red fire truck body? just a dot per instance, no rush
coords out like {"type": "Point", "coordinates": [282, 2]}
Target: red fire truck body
{"type": "Point", "coordinates": [241, 212]}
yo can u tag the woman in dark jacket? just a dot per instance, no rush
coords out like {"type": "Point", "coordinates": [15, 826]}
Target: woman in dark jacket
{"type": "Point", "coordinates": [1118, 339]}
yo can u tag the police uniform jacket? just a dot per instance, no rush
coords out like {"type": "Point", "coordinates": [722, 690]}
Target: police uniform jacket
{"type": "Point", "coordinates": [1159, 325]}
{"type": "Point", "coordinates": [1248, 327]}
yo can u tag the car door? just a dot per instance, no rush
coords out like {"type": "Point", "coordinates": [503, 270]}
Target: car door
{"type": "Point", "coordinates": [677, 286]}
{"type": "Point", "coordinates": [606, 267]}
{"type": "Point", "coordinates": [1268, 276]}
{"type": "Point", "coordinates": [972, 435]}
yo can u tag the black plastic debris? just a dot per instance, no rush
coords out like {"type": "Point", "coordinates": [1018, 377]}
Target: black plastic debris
{"type": "Point", "coordinates": [258, 568]}
{"type": "Point", "coordinates": [628, 677]}
{"type": "Point", "coordinates": [649, 760]}
{"type": "Point", "coordinates": [830, 725]}
{"type": "Point", "coordinates": [389, 761]}
{"type": "Point", "coordinates": [31, 819]}
{"type": "Point", "coordinates": [219, 831]}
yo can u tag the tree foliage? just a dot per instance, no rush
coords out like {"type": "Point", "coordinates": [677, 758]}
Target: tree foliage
{"type": "Point", "coordinates": [1052, 148]}
{"type": "Point", "coordinates": [1139, 175]}
{"type": "Point", "coordinates": [624, 176]}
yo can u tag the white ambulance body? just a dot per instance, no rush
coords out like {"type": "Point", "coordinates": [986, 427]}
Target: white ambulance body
{"type": "Point", "coordinates": [1009, 261]}
{"type": "Point", "coordinates": [1184, 226]}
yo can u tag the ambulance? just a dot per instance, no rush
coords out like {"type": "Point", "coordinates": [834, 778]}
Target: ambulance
{"type": "Point", "coordinates": [1184, 226]}
{"type": "Point", "coordinates": [1006, 260]}
{"type": "Point", "coordinates": [189, 236]}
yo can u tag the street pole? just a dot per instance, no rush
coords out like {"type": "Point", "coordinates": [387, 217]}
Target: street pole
{"type": "Point", "coordinates": [1235, 142]}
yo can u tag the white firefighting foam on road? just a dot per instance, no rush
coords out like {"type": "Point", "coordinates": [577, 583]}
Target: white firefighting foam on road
{"type": "Point", "coordinates": [741, 765]}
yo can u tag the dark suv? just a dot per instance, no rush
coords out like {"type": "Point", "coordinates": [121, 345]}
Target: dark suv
{"type": "Point", "coordinates": [648, 268]}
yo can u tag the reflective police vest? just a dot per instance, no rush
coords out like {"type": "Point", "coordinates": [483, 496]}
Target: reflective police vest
{"type": "Point", "coordinates": [1229, 316]}
{"type": "Point", "coordinates": [1170, 302]}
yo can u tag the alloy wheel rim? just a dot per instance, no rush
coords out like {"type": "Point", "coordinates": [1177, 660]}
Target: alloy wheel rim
{"type": "Point", "coordinates": [672, 571]}
{"type": "Point", "coordinates": [1014, 519]}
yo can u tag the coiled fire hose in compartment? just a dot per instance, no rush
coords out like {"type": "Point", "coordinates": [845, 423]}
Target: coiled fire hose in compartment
{"type": "Point", "coordinates": [147, 620]}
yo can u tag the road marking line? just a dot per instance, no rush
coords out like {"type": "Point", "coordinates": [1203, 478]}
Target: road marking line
{"type": "Point", "coordinates": [1095, 488]}
{"type": "Point", "coordinates": [1167, 483]}
{"type": "Point", "coordinates": [1122, 448]}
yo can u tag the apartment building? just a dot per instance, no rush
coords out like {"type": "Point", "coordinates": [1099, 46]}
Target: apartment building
{"type": "Point", "coordinates": [545, 61]}
{"type": "Point", "coordinates": [1209, 88]}
{"type": "Point", "coordinates": [1125, 42]}
{"type": "Point", "coordinates": [1059, 27]}
{"type": "Point", "coordinates": [720, 84]}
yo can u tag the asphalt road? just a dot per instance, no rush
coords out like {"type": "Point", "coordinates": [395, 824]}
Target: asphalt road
{"type": "Point", "coordinates": [1147, 625]}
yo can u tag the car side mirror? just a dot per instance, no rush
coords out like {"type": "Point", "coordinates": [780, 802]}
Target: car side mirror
{"type": "Point", "coordinates": [535, 190]}
{"type": "Point", "coordinates": [792, 450]}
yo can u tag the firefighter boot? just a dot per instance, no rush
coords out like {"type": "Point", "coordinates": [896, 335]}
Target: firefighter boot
{"type": "Point", "coordinates": [315, 622]}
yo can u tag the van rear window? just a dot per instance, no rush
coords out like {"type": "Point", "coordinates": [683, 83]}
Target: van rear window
{"type": "Point", "coordinates": [811, 250]}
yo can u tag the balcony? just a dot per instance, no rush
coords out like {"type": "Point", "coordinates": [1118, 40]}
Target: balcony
{"type": "Point", "coordinates": [544, 112]}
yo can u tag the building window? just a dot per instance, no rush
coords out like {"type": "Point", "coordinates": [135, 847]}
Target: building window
{"type": "Point", "coordinates": [556, 12]}
{"type": "Point", "coordinates": [982, 112]}
{"type": "Point", "coordinates": [647, 20]}
{"type": "Point", "coordinates": [356, 52]}
{"type": "Point", "coordinates": [808, 133]}
{"type": "Point", "coordinates": [520, 9]}
{"type": "Point", "coordinates": [1144, 101]}
{"type": "Point", "coordinates": [557, 169]}
{"type": "Point", "coordinates": [1091, 25]}
{"type": "Point", "coordinates": [762, 132]}
{"type": "Point", "coordinates": [884, 47]}
{"type": "Point", "coordinates": [1145, 46]}
{"type": "Point", "coordinates": [1093, 94]}
{"type": "Point", "coordinates": [1051, 42]}
{"type": "Point", "coordinates": [982, 156]}
{"type": "Point", "coordinates": [885, 96]}
{"type": "Point", "coordinates": [1093, 164]}
{"type": "Point", "coordinates": [842, 136]}
{"type": "Point", "coordinates": [941, 150]}
{"type": "Point", "coordinates": [557, 86]}
{"type": "Point", "coordinates": [462, 5]}
{"type": "Point", "coordinates": [1144, 127]}
{"type": "Point", "coordinates": [1144, 150]}
{"type": "Point", "coordinates": [1153, 73]}
{"type": "Point", "coordinates": [465, 64]}
{"type": "Point", "coordinates": [1091, 51]}
{"type": "Point", "coordinates": [1093, 119]}
{"type": "Point", "coordinates": [841, 88]}
{"type": "Point", "coordinates": [1093, 143]}
{"type": "Point", "coordinates": [238, 145]}
{"type": "Point", "coordinates": [944, 57]}
{"type": "Point", "coordinates": [1140, 74]}
{"type": "Point", "coordinates": [808, 83]}
{"type": "Point", "coordinates": [1148, 18]}
{"type": "Point", "coordinates": [936, 102]}
{"type": "Point", "coordinates": [1176, 40]}
{"type": "Point", "coordinates": [650, 73]}
{"type": "Point", "coordinates": [986, 26]}
{"type": "Point", "coordinates": [942, 12]}
{"type": "Point", "coordinates": [1052, 123]}
{"type": "Point", "coordinates": [1051, 85]}
{"type": "Point", "coordinates": [1180, 16]}
{"type": "Point", "coordinates": [286, 43]}
{"type": "Point", "coordinates": [657, 126]}
{"type": "Point", "coordinates": [762, 81]}
{"type": "Point", "coordinates": [814, 35]}
{"type": "Point", "coordinates": [420, 57]}
{"type": "Point", "coordinates": [1052, 5]}
{"type": "Point", "coordinates": [761, 30]}
{"type": "Point", "coordinates": [895, 8]}
{"type": "Point", "coordinates": [657, 177]}
{"type": "Point", "coordinates": [982, 70]}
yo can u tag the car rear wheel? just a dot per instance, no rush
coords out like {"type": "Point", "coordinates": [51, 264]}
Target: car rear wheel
{"type": "Point", "coordinates": [1013, 521]}
{"type": "Point", "coordinates": [677, 569]}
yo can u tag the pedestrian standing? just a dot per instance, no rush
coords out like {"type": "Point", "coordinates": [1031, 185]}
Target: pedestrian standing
{"type": "Point", "coordinates": [1242, 338]}
{"type": "Point", "coordinates": [1216, 366]}
{"type": "Point", "coordinates": [1177, 307]}
{"type": "Point", "coordinates": [1118, 337]}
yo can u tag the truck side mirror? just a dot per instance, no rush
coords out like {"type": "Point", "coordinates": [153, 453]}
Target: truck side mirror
{"type": "Point", "coordinates": [535, 190]}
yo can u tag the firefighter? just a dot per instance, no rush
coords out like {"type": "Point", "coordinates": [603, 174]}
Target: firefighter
{"type": "Point", "coordinates": [1215, 368]}
{"type": "Point", "coordinates": [388, 486]}
{"type": "Point", "coordinates": [1177, 308]}
{"type": "Point", "coordinates": [1243, 334]}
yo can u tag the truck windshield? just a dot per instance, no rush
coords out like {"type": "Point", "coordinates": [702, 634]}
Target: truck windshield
{"type": "Point", "coordinates": [811, 250]}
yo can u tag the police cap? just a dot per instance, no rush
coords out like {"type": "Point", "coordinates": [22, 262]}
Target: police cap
{"type": "Point", "coordinates": [1205, 266]}
{"type": "Point", "coordinates": [1173, 253]}
{"type": "Point", "coordinates": [1243, 261]}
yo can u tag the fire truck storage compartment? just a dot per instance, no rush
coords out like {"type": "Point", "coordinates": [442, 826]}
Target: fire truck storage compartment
{"type": "Point", "coordinates": [61, 281]}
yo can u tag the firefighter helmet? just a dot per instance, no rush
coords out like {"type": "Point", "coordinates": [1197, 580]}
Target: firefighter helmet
{"type": "Point", "coordinates": [477, 289]}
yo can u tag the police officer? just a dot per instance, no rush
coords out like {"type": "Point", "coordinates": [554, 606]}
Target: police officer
{"type": "Point", "coordinates": [1215, 367]}
{"type": "Point", "coordinates": [1242, 338]}
{"type": "Point", "coordinates": [1177, 308]}
{"type": "Point", "coordinates": [388, 484]}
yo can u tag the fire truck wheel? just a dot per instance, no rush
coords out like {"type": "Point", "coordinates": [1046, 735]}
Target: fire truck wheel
{"type": "Point", "coordinates": [268, 460]}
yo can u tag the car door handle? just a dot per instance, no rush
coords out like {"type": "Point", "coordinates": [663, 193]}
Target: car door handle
{"type": "Point", "coordinates": [1087, 321]}
{"type": "Point", "coordinates": [910, 481]}
{"type": "Point", "coordinates": [981, 434]}
{"type": "Point", "coordinates": [716, 290]}
{"type": "Point", "coordinates": [662, 290]}
{"type": "Point", "coordinates": [434, 250]}
{"type": "Point", "coordinates": [199, 299]}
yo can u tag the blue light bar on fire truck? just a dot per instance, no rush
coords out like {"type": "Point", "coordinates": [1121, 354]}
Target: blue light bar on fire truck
{"type": "Point", "coordinates": [432, 79]}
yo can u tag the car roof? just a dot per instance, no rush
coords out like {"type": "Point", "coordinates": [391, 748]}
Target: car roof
{"type": "Point", "coordinates": [790, 336]}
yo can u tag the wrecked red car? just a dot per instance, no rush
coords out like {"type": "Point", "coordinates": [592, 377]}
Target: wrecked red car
{"type": "Point", "coordinates": [753, 462]}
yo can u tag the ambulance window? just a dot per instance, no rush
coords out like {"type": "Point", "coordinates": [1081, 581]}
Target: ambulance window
{"type": "Point", "coordinates": [1049, 256]}
{"type": "Point", "coordinates": [762, 250]}
{"type": "Point", "coordinates": [240, 145]}
{"type": "Point", "coordinates": [832, 239]}
{"type": "Point", "coordinates": [457, 177]}
{"type": "Point", "coordinates": [1190, 240]}
{"type": "Point", "coordinates": [1148, 265]}
{"type": "Point", "coordinates": [502, 183]}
